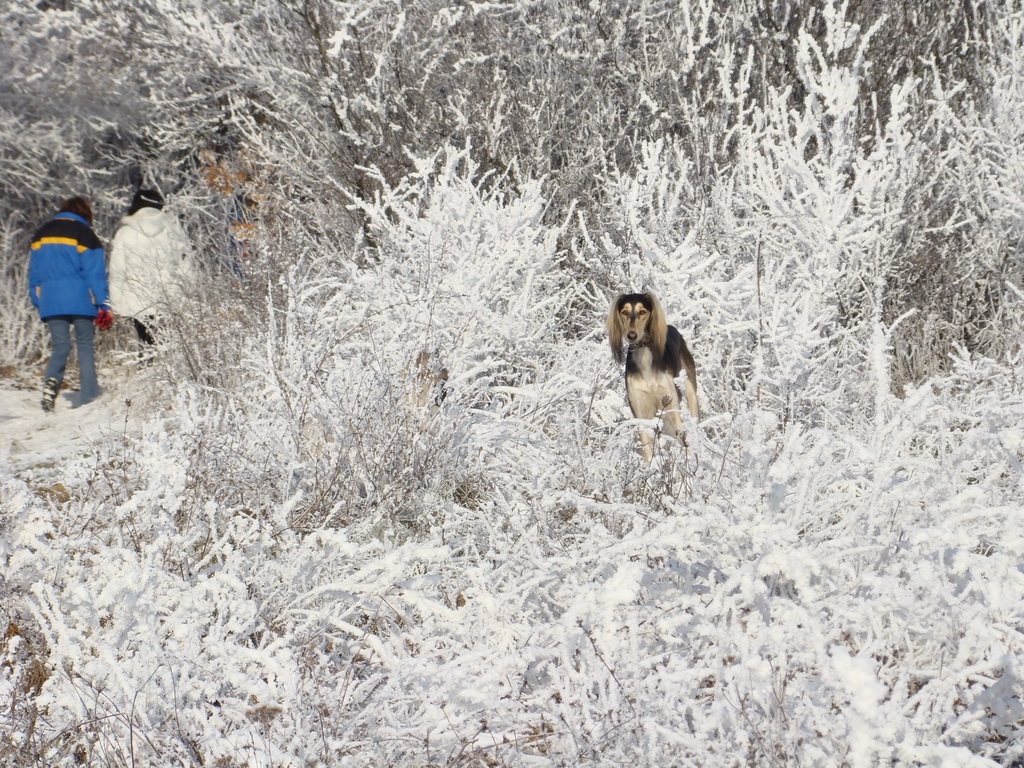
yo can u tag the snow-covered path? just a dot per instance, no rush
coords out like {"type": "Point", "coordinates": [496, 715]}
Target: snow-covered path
{"type": "Point", "coordinates": [37, 441]}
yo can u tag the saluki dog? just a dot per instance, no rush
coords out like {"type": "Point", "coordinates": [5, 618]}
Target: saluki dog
{"type": "Point", "coordinates": [429, 383]}
{"type": "Point", "coordinates": [654, 353]}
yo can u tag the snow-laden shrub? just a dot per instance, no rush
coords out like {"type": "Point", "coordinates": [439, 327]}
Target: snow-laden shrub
{"type": "Point", "coordinates": [807, 596]}
{"type": "Point", "coordinates": [21, 333]}
{"type": "Point", "coordinates": [294, 564]}
{"type": "Point", "coordinates": [312, 570]}
{"type": "Point", "coordinates": [460, 306]}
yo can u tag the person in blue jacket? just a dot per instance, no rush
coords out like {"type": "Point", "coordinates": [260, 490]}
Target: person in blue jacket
{"type": "Point", "coordinates": [67, 279]}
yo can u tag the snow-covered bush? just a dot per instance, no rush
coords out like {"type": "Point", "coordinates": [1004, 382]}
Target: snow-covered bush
{"type": "Point", "coordinates": [381, 504]}
{"type": "Point", "coordinates": [311, 570]}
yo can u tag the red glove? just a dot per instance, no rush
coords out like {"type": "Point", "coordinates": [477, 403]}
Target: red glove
{"type": "Point", "coordinates": [104, 319]}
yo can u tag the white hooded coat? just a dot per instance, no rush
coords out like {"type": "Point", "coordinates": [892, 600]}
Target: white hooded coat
{"type": "Point", "coordinates": [150, 264]}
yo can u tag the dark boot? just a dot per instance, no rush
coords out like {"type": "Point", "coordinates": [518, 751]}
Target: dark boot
{"type": "Point", "coordinates": [50, 389]}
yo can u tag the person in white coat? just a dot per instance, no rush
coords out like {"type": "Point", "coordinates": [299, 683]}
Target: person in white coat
{"type": "Point", "coordinates": [151, 267]}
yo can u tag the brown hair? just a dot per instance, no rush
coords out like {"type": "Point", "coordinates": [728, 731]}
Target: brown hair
{"type": "Point", "coordinates": [78, 206]}
{"type": "Point", "coordinates": [656, 328]}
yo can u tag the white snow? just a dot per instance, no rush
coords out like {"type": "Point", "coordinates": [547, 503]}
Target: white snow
{"type": "Point", "coordinates": [271, 557]}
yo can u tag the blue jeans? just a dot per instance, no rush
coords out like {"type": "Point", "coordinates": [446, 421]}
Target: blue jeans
{"type": "Point", "coordinates": [60, 334]}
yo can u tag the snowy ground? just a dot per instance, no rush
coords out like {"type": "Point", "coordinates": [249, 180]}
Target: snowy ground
{"type": "Point", "coordinates": [35, 442]}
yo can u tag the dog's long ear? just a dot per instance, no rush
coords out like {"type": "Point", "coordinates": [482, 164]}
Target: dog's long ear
{"type": "Point", "coordinates": [615, 334]}
{"type": "Point", "coordinates": [657, 326]}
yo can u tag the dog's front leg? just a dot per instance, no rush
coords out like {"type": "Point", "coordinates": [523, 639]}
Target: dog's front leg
{"type": "Point", "coordinates": [691, 396]}
{"type": "Point", "coordinates": [674, 428]}
{"type": "Point", "coordinates": [646, 444]}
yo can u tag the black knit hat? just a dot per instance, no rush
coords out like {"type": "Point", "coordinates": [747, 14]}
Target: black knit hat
{"type": "Point", "coordinates": [146, 198]}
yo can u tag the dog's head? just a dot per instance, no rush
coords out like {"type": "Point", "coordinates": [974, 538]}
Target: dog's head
{"type": "Point", "coordinates": [636, 320]}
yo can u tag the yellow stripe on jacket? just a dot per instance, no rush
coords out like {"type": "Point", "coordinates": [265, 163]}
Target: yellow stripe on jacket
{"type": "Point", "coordinates": [58, 241]}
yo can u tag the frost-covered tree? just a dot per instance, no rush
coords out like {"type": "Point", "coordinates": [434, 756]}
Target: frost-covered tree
{"type": "Point", "coordinates": [390, 511]}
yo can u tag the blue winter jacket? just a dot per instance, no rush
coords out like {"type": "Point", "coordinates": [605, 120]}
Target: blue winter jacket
{"type": "Point", "coordinates": [66, 272]}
